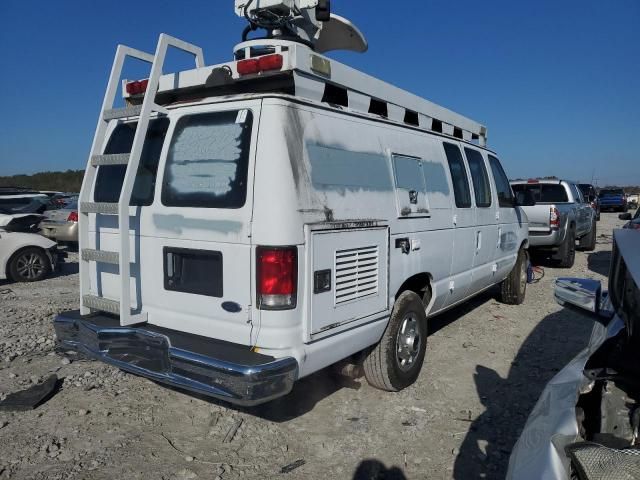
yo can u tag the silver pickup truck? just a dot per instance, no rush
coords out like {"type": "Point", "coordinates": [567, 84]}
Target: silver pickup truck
{"type": "Point", "coordinates": [559, 218]}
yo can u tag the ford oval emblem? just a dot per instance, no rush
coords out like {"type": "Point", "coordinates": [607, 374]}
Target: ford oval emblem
{"type": "Point", "coordinates": [231, 307]}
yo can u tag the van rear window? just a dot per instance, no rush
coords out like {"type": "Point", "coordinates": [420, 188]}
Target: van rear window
{"type": "Point", "coordinates": [208, 161]}
{"type": "Point", "coordinates": [544, 193]}
{"type": "Point", "coordinates": [110, 177]}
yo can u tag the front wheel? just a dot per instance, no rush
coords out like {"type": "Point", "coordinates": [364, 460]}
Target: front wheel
{"type": "Point", "coordinates": [395, 362]}
{"type": "Point", "coordinates": [29, 265]}
{"type": "Point", "coordinates": [514, 288]}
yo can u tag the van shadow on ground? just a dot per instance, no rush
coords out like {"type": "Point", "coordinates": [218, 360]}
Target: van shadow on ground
{"type": "Point", "coordinates": [556, 340]}
{"type": "Point", "coordinates": [599, 262]}
{"type": "Point", "coordinates": [308, 391]}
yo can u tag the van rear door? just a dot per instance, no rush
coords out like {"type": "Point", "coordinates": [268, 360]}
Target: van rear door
{"type": "Point", "coordinates": [191, 243]}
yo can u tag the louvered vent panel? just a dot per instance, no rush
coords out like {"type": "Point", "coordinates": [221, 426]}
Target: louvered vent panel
{"type": "Point", "coordinates": [356, 273]}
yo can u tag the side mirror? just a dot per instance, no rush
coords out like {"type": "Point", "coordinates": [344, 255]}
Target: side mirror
{"type": "Point", "coordinates": [524, 199]}
{"type": "Point", "coordinates": [625, 216]}
{"type": "Point", "coordinates": [583, 293]}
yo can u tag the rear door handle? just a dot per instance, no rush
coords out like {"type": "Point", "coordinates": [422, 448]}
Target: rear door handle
{"type": "Point", "coordinates": [478, 241]}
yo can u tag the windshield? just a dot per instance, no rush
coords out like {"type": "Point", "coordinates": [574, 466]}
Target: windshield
{"type": "Point", "coordinates": [12, 205]}
{"type": "Point", "coordinates": [544, 193]}
{"type": "Point", "coordinates": [611, 192]}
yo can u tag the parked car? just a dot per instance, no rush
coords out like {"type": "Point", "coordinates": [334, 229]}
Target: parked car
{"type": "Point", "coordinates": [586, 422]}
{"type": "Point", "coordinates": [633, 220]}
{"type": "Point", "coordinates": [62, 224]}
{"type": "Point", "coordinates": [262, 255]}
{"type": "Point", "coordinates": [613, 199]}
{"type": "Point", "coordinates": [559, 218]}
{"type": "Point", "coordinates": [25, 256]}
{"type": "Point", "coordinates": [590, 195]}
{"type": "Point", "coordinates": [19, 202]}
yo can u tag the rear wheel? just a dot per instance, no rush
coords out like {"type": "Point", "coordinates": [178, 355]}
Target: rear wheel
{"type": "Point", "coordinates": [29, 265]}
{"type": "Point", "coordinates": [514, 288]}
{"type": "Point", "coordinates": [395, 362]}
{"type": "Point", "coordinates": [588, 242]}
{"type": "Point", "coordinates": [567, 252]}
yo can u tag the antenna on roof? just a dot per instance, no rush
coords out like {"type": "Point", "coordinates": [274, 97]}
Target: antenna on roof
{"type": "Point", "coordinates": [305, 21]}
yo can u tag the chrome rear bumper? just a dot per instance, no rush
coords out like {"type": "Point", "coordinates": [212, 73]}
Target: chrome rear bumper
{"type": "Point", "coordinates": [222, 370]}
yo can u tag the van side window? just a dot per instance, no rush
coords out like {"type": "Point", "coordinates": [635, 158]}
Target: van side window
{"type": "Point", "coordinates": [208, 161]}
{"type": "Point", "coordinates": [410, 185]}
{"type": "Point", "coordinates": [111, 177]}
{"type": "Point", "coordinates": [480, 178]}
{"type": "Point", "coordinates": [459, 177]}
{"type": "Point", "coordinates": [505, 194]}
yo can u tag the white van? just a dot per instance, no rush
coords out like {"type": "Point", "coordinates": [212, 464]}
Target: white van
{"type": "Point", "coordinates": [276, 226]}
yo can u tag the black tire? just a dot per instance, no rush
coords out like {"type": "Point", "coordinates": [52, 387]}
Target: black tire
{"type": "Point", "coordinates": [567, 252]}
{"type": "Point", "coordinates": [384, 366]}
{"type": "Point", "coordinates": [588, 242]}
{"type": "Point", "coordinates": [29, 265]}
{"type": "Point", "coordinates": [514, 288]}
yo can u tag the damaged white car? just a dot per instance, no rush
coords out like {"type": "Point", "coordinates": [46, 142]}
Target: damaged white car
{"type": "Point", "coordinates": [25, 256]}
{"type": "Point", "coordinates": [585, 424]}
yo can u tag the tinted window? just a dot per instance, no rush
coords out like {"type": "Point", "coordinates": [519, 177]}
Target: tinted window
{"type": "Point", "coordinates": [458, 176]}
{"type": "Point", "coordinates": [544, 193]}
{"type": "Point", "coordinates": [208, 161]}
{"type": "Point", "coordinates": [611, 192]}
{"type": "Point", "coordinates": [577, 194]}
{"type": "Point", "coordinates": [110, 177]}
{"type": "Point", "coordinates": [505, 195]}
{"type": "Point", "coordinates": [480, 178]}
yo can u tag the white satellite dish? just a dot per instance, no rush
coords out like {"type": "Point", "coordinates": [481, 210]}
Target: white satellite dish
{"type": "Point", "coordinates": [340, 34]}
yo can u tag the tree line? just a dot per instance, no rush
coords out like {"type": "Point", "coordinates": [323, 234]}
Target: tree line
{"type": "Point", "coordinates": [69, 181]}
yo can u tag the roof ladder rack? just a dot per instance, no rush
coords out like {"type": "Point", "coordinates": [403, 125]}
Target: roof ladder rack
{"type": "Point", "coordinates": [90, 300]}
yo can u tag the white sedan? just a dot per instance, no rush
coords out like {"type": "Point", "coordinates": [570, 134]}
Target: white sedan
{"type": "Point", "coordinates": [25, 256]}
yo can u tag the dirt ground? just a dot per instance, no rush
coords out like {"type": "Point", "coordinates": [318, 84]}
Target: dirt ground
{"type": "Point", "coordinates": [486, 365]}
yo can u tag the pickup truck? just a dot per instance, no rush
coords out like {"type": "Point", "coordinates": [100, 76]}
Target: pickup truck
{"type": "Point", "coordinates": [559, 218]}
{"type": "Point", "coordinates": [613, 199]}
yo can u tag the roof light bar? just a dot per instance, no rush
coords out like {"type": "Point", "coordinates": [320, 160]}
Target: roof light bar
{"type": "Point", "coordinates": [266, 63]}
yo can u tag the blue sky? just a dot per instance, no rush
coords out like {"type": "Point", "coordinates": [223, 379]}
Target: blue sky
{"type": "Point", "coordinates": [556, 82]}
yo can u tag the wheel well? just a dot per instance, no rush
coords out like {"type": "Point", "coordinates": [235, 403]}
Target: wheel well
{"type": "Point", "coordinates": [15, 254]}
{"type": "Point", "coordinates": [419, 283]}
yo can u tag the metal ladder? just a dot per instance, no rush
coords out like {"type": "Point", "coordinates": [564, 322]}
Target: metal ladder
{"type": "Point", "coordinates": [88, 301]}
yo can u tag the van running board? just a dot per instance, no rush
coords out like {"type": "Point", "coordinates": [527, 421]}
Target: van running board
{"type": "Point", "coordinates": [111, 306]}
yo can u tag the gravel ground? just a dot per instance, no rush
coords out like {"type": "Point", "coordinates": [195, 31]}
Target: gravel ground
{"type": "Point", "coordinates": [486, 365]}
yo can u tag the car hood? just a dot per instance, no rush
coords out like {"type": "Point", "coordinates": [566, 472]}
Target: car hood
{"type": "Point", "coordinates": [20, 221]}
{"type": "Point", "coordinates": [552, 425]}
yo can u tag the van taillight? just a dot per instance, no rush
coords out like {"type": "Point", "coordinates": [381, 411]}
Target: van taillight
{"type": "Point", "coordinates": [277, 277]}
{"type": "Point", "coordinates": [554, 218]}
{"type": "Point", "coordinates": [73, 217]}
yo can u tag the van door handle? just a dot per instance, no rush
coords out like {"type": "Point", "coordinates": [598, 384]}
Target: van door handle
{"type": "Point", "coordinates": [499, 237]}
{"type": "Point", "coordinates": [478, 241]}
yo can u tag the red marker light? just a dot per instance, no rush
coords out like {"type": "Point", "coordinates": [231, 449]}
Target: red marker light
{"type": "Point", "coordinates": [266, 63]}
{"type": "Point", "coordinates": [73, 217]}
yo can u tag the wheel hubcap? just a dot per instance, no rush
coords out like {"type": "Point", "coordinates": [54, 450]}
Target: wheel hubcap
{"type": "Point", "coordinates": [408, 343]}
{"type": "Point", "coordinates": [30, 266]}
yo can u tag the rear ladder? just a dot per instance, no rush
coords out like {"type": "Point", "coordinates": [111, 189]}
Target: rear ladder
{"type": "Point", "coordinates": [90, 300]}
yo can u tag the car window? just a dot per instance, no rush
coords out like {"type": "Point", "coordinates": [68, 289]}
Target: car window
{"type": "Point", "coordinates": [459, 177]}
{"type": "Point", "coordinates": [505, 194]}
{"type": "Point", "coordinates": [110, 177]}
{"type": "Point", "coordinates": [208, 161]}
{"type": "Point", "coordinates": [479, 176]}
{"type": "Point", "coordinates": [610, 192]}
{"type": "Point", "coordinates": [577, 194]}
{"type": "Point", "coordinates": [543, 192]}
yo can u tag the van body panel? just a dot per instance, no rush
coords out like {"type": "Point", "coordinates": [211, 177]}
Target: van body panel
{"type": "Point", "coordinates": [326, 183]}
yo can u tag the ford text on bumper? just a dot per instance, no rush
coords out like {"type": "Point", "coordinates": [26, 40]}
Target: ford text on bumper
{"type": "Point", "coordinates": [222, 370]}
